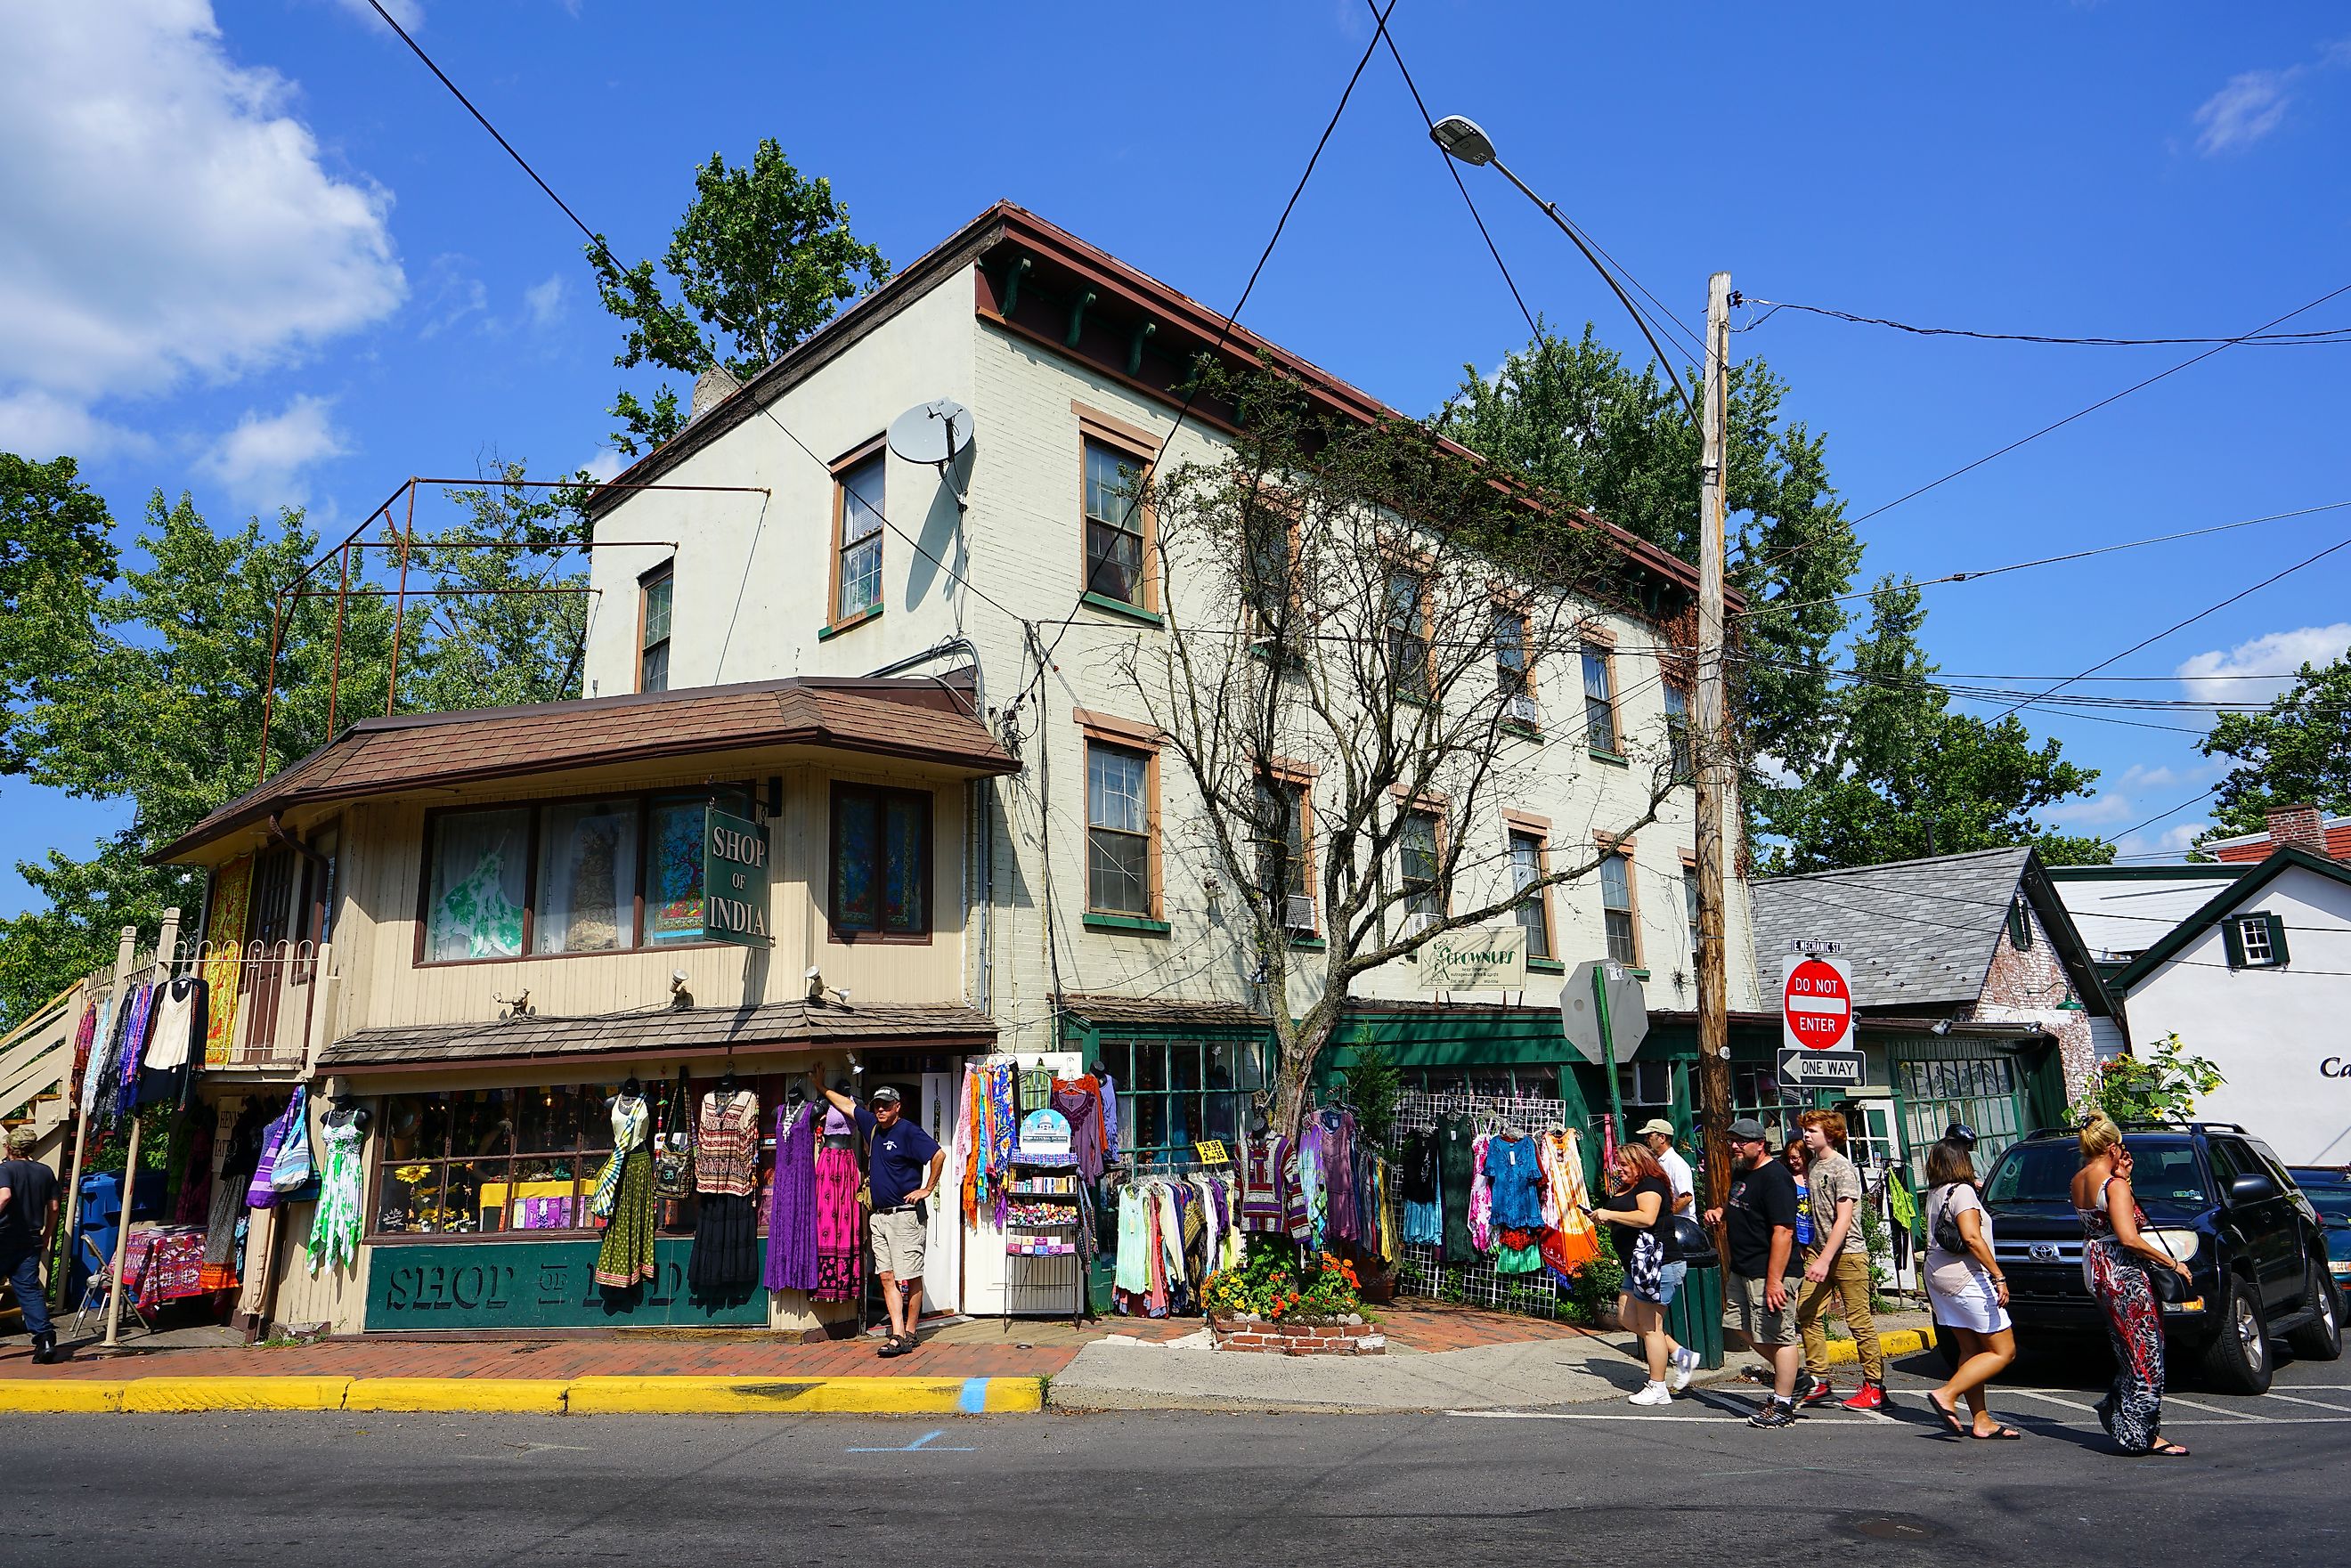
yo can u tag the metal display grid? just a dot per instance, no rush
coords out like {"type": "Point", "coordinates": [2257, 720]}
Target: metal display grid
{"type": "Point", "coordinates": [1538, 1294]}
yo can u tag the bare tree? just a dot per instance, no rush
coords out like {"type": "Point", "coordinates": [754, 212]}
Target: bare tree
{"type": "Point", "coordinates": [1351, 610]}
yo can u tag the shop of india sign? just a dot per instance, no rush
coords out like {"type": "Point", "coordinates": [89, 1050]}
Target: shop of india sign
{"type": "Point", "coordinates": [733, 880]}
{"type": "Point", "coordinates": [1475, 959]}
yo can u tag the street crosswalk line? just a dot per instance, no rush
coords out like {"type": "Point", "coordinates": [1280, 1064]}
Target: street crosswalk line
{"type": "Point", "coordinates": [2316, 1404]}
{"type": "Point", "coordinates": [2051, 1398]}
{"type": "Point", "coordinates": [2215, 1409]}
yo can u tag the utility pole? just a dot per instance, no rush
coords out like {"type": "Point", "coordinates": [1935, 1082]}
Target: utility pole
{"type": "Point", "coordinates": [1712, 756]}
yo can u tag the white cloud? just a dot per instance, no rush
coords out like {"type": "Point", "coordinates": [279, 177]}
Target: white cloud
{"type": "Point", "coordinates": [605, 463]}
{"type": "Point", "coordinates": [41, 425]}
{"type": "Point", "coordinates": [2214, 676]}
{"type": "Point", "coordinates": [261, 461]}
{"type": "Point", "coordinates": [543, 302]}
{"type": "Point", "coordinates": [168, 218]}
{"type": "Point", "coordinates": [2249, 107]}
{"type": "Point", "coordinates": [2099, 810]}
{"type": "Point", "coordinates": [2173, 842]}
{"type": "Point", "coordinates": [407, 13]}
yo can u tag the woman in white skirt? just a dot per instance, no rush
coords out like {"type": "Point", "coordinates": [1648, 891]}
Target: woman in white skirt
{"type": "Point", "coordinates": [1965, 1284]}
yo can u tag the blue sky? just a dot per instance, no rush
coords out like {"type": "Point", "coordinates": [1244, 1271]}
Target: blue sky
{"type": "Point", "coordinates": [256, 253]}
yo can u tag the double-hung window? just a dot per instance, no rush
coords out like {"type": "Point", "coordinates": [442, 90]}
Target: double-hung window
{"type": "Point", "coordinates": [1284, 869]}
{"type": "Point", "coordinates": [881, 883]}
{"type": "Point", "coordinates": [1420, 859]}
{"type": "Point", "coordinates": [1689, 909]}
{"type": "Point", "coordinates": [2254, 941]}
{"type": "Point", "coordinates": [1678, 731]}
{"type": "Point", "coordinates": [857, 537]}
{"type": "Point", "coordinates": [1118, 831]}
{"type": "Point", "coordinates": [1617, 916]}
{"type": "Point", "coordinates": [1599, 699]}
{"type": "Point", "coordinates": [1513, 670]}
{"type": "Point", "coordinates": [1533, 912]}
{"type": "Point", "coordinates": [654, 591]}
{"type": "Point", "coordinates": [1117, 530]}
{"type": "Point", "coordinates": [1406, 591]}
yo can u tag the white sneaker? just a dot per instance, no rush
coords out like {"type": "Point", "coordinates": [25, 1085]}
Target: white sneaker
{"type": "Point", "coordinates": [1683, 1361]}
{"type": "Point", "coordinates": [1651, 1394]}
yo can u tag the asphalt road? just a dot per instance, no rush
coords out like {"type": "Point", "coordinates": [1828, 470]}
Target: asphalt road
{"type": "Point", "coordinates": [1590, 1483]}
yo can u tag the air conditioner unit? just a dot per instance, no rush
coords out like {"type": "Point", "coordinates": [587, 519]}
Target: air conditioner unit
{"type": "Point", "coordinates": [1414, 924]}
{"type": "Point", "coordinates": [1298, 913]}
{"type": "Point", "coordinates": [1526, 710]}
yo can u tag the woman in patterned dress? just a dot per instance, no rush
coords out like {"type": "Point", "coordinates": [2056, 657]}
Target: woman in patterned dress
{"type": "Point", "coordinates": [2116, 1254]}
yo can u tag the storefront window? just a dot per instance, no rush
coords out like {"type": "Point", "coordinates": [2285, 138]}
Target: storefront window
{"type": "Point", "coordinates": [587, 892]}
{"type": "Point", "coordinates": [475, 905]}
{"type": "Point", "coordinates": [881, 861]}
{"type": "Point", "coordinates": [1173, 1094]}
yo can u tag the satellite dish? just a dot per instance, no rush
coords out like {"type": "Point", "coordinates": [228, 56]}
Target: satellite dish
{"type": "Point", "coordinates": [932, 432]}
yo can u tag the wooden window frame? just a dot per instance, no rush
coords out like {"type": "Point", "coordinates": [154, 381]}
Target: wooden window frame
{"type": "Point", "coordinates": [1683, 757]}
{"type": "Point", "coordinates": [834, 621]}
{"type": "Point", "coordinates": [1604, 645]}
{"type": "Point", "coordinates": [1124, 735]}
{"type": "Point", "coordinates": [1262, 637]}
{"type": "Point", "coordinates": [834, 935]}
{"type": "Point", "coordinates": [535, 805]}
{"type": "Point", "coordinates": [646, 581]}
{"type": "Point", "coordinates": [1690, 880]}
{"type": "Point", "coordinates": [1513, 605]}
{"type": "Point", "coordinates": [1622, 849]}
{"type": "Point", "coordinates": [1433, 806]}
{"type": "Point", "coordinates": [1130, 441]}
{"type": "Point", "coordinates": [1521, 824]}
{"type": "Point", "coordinates": [1417, 565]}
{"type": "Point", "coordinates": [1302, 777]}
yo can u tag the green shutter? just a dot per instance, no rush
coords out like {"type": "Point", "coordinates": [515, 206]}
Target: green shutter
{"type": "Point", "coordinates": [2277, 937]}
{"type": "Point", "coordinates": [2235, 939]}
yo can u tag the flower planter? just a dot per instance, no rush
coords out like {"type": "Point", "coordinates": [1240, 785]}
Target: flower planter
{"type": "Point", "coordinates": [1340, 1336]}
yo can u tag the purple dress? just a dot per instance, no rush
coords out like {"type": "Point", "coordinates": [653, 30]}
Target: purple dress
{"type": "Point", "coordinates": [791, 1208]}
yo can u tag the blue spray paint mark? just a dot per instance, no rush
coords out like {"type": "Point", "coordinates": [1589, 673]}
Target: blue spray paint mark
{"type": "Point", "coordinates": [975, 1396]}
{"type": "Point", "coordinates": [919, 1444]}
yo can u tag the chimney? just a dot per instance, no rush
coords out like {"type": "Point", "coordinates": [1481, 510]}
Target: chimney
{"type": "Point", "coordinates": [711, 388]}
{"type": "Point", "coordinates": [2299, 826]}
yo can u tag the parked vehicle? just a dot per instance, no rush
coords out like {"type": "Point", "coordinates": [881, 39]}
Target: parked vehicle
{"type": "Point", "coordinates": [2328, 1187]}
{"type": "Point", "coordinates": [2222, 1202]}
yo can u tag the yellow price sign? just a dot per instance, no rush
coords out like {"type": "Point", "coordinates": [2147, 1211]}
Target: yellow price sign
{"type": "Point", "coordinates": [1212, 1152]}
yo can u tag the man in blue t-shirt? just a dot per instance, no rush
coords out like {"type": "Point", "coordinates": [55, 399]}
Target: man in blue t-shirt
{"type": "Point", "coordinates": [28, 1207]}
{"type": "Point", "coordinates": [901, 1169]}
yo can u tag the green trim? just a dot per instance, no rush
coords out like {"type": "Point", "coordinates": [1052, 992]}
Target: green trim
{"type": "Point", "coordinates": [1520, 729]}
{"type": "Point", "coordinates": [2204, 872]}
{"type": "Point", "coordinates": [827, 634]}
{"type": "Point", "coordinates": [1542, 965]}
{"type": "Point", "coordinates": [2222, 904]}
{"type": "Point", "coordinates": [1120, 607]}
{"type": "Point", "coordinates": [1135, 923]}
{"type": "Point", "coordinates": [1309, 944]}
{"type": "Point", "coordinates": [1640, 973]}
{"type": "Point", "coordinates": [1608, 757]}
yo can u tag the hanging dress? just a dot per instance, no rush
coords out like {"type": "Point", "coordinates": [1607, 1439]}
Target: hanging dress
{"type": "Point", "coordinates": [841, 1261]}
{"type": "Point", "coordinates": [726, 1257]}
{"type": "Point", "coordinates": [335, 1229]}
{"type": "Point", "coordinates": [1456, 1165]}
{"type": "Point", "coordinates": [792, 1207]}
{"type": "Point", "coordinates": [2132, 1411]}
{"type": "Point", "coordinates": [627, 1255]}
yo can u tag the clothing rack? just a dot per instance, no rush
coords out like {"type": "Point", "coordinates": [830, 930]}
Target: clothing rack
{"type": "Point", "coordinates": [1538, 1294]}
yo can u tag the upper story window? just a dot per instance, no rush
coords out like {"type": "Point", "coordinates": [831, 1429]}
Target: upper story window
{"type": "Point", "coordinates": [1419, 862]}
{"type": "Point", "coordinates": [610, 874]}
{"type": "Point", "coordinates": [857, 537]}
{"type": "Point", "coordinates": [2254, 941]}
{"type": "Point", "coordinates": [1117, 524]}
{"type": "Point", "coordinates": [1678, 730]}
{"type": "Point", "coordinates": [1689, 908]}
{"type": "Point", "coordinates": [654, 591]}
{"type": "Point", "coordinates": [881, 863]}
{"type": "Point", "coordinates": [1270, 537]}
{"type": "Point", "coordinates": [1617, 916]}
{"type": "Point", "coordinates": [1599, 698]}
{"type": "Point", "coordinates": [1285, 867]}
{"type": "Point", "coordinates": [1406, 594]}
{"type": "Point", "coordinates": [2019, 924]}
{"type": "Point", "coordinates": [1513, 671]}
{"type": "Point", "coordinates": [1527, 868]}
{"type": "Point", "coordinates": [1119, 813]}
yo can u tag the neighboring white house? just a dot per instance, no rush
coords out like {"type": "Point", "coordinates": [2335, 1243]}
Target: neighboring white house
{"type": "Point", "coordinates": [2256, 977]}
{"type": "Point", "coordinates": [858, 561]}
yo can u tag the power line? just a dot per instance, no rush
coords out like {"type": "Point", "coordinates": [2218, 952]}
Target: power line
{"type": "Point", "coordinates": [2200, 796]}
{"type": "Point", "coordinates": [2325, 335]}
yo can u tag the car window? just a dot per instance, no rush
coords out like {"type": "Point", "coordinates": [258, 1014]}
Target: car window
{"type": "Point", "coordinates": [2276, 1166]}
{"type": "Point", "coordinates": [2232, 1158]}
{"type": "Point", "coordinates": [2166, 1176]}
{"type": "Point", "coordinates": [2332, 1203]}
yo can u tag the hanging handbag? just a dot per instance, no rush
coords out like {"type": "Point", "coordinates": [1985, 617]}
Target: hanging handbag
{"type": "Point", "coordinates": [1945, 1231]}
{"type": "Point", "coordinates": [674, 1147]}
{"type": "Point", "coordinates": [293, 1169]}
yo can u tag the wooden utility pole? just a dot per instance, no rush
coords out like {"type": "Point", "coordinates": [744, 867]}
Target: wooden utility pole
{"type": "Point", "coordinates": [1712, 756]}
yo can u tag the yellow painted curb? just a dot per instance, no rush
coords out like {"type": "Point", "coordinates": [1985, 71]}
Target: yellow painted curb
{"type": "Point", "coordinates": [165, 1395]}
{"type": "Point", "coordinates": [1014, 1395]}
{"type": "Point", "coordinates": [1895, 1342]}
{"type": "Point", "coordinates": [804, 1396]}
{"type": "Point", "coordinates": [528, 1395]}
{"type": "Point", "coordinates": [31, 1396]}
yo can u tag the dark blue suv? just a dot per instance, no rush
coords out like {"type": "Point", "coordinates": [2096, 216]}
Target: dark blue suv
{"type": "Point", "coordinates": [2222, 1202]}
{"type": "Point", "coordinates": [2328, 1187]}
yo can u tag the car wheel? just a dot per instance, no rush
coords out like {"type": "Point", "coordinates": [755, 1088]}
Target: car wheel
{"type": "Point", "coordinates": [2239, 1359]}
{"type": "Point", "coordinates": [2320, 1339]}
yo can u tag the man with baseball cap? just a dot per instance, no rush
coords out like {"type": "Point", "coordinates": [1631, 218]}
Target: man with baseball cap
{"type": "Point", "coordinates": [901, 1172]}
{"type": "Point", "coordinates": [1760, 1225]}
{"type": "Point", "coordinates": [28, 1207]}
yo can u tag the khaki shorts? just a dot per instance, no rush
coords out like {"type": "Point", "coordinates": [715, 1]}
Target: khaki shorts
{"type": "Point", "coordinates": [898, 1240]}
{"type": "Point", "coordinates": [1762, 1326]}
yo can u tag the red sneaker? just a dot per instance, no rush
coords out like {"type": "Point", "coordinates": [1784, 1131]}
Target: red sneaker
{"type": "Point", "coordinates": [1820, 1393]}
{"type": "Point", "coordinates": [1868, 1396]}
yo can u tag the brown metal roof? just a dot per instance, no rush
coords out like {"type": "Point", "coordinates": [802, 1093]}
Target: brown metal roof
{"type": "Point", "coordinates": [918, 720]}
{"type": "Point", "coordinates": [682, 1031]}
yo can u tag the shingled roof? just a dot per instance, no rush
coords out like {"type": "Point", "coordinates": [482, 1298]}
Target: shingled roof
{"type": "Point", "coordinates": [918, 720]}
{"type": "Point", "coordinates": [681, 1031]}
{"type": "Point", "coordinates": [1918, 933]}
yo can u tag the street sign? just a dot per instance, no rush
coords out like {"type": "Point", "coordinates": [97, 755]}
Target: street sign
{"type": "Point", "coordinates": [1812, 946]}
{"type": "Point", "coordinates": [1816, 1004]}
{"type": "Point", "coordinates": [1475, 959]}
{"type": "Point", "coordinates": [1628, 1011]}
{"type": "Point", "coordinates": [1806, 1069]}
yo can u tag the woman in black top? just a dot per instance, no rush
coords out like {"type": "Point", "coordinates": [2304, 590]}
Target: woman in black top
{"type": "Point", "coordinates": [1640, 1222]}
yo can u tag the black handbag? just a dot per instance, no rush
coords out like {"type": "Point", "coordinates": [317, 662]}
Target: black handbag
{"type": "Point", "coordinates": [1695, 1243]}
{"type": "Point", "coordinates": [2168, 1285]}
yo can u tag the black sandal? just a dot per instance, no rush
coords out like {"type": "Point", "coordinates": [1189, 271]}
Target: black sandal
{"type": "Point", "coordinates": [1951, 1416]}
{"type": "Point", "coordinates": [2003, 1434]}
{"type": "Point", "coordinates": [2166, 1448]}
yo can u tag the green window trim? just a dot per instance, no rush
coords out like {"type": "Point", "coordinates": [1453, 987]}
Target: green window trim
{"type": "Point", "coordinates": [1609, 756]}
{"type": "Point", "coordinates": [1546, 966]}
{"type": "Point", "coordinates": [1135, 922]}
{"type": "Point", "coordinates": [1309, 944]}
{"type": "Point", "coordinates": [1520, 729]}
{"type": "Point", "coordinates": [826, 633]}
{"type": "Point", "coordinates": [1120, 607]}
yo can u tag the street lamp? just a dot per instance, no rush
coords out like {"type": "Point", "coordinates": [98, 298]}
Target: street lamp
{"type": "Point", "coordinates": [1465, 140]}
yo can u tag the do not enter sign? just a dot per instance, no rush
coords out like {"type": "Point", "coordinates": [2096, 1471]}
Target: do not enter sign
{"type": "Point", "coordinates": [1816, 1004]}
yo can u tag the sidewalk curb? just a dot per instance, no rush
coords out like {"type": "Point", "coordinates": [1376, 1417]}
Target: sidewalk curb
{"type": "Point", "coordinates": [542, 1396]}
{"type": "Point", "coordinates": [1843, 1352]}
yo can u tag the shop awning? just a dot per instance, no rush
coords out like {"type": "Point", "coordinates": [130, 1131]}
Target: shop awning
{"type": "Point", "coordinates": [679, 1033]}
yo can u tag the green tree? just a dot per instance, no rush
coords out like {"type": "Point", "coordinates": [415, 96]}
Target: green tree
{"type": "Point", "coordinates": [2297, 752]}
{"type": "Point", "coordinates": [762, 258]}
{"type": "Point", "coordinates": [1903, 776]}
{"type": "Point", "coordinates": [511, 621]}
{"type": "Point", "coordinates": [1578, 422]}
{"type": "Point", "coordinates": [56, 558]}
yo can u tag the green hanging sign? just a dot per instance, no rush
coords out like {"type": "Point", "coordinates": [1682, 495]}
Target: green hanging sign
{"type": "Point", "coordinates": [733, 880]}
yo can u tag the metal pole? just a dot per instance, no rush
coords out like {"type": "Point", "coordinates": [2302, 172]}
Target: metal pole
{"type": "Point", "coordinates": [407, 534]}
{"type": "Point", "coordinates": [124, 949]}
{"type": "Point", "coordinates": [166, 947]}
{"type": "Point", "coordinates": [1608, 1048]}
{"type": "Point", "coordinates": [335, 671]}
{"type": "Point", "coordinates": [269, 692]}
{"type": "Point", "coordinates": [1713, 763]}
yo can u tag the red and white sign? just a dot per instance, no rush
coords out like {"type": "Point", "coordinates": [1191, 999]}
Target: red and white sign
{"type": "Point", "coordinates": [1816, 1004]}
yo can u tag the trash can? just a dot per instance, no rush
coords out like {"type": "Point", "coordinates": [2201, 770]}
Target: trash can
{"type": "Point", "coordinates": [99, 1216]}
{"type": "Point", "coordinates": [1695, 1319]}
